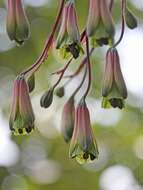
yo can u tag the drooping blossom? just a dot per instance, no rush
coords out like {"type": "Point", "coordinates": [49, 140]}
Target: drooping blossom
{"type": "Point", "coordinates": [114, 89]}
{"type": "Point", "coordinates": [68, 39]}
{"type": "Point", "coordinates": [83, 145]}
{"type": "Point", "coordinates": [100, 24]}
{"type": "Point", "coordinates": [17, 22]}
{"type": "Point", "coordinates": [22, 116]}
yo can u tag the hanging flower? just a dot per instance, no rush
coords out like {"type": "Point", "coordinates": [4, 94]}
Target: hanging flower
{"type": "Point", "coordinates": [17, 22]}
{"type": "Point", "coordinates": [114, 89]}
{"type": "Point", "coordinates": [67, 121]}
{"type": "Point", "coordinates": [68, 40]}
{"type": "Point", "coordinates": [100, 23]}
{"type": "Point", "coordinates": [22, 116]}
{"type": "Point", "coordinates": [83, 145]}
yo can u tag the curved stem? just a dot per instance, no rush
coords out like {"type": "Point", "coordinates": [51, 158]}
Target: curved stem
{"type": "Point", "coordinates": [47, 46]}
{"type": "Point", "coordinates": [80, 66]}
{"type": "Point", "coordinates": [123, 24]}
{"type": "Point", "coordinates": [88, 67]}
{"type": "Point", "coordinates": [80, 85]}
{"type": "Point", "coordinates": [62, 73]}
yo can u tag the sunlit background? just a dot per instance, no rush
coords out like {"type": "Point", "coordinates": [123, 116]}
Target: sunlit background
{"type": "Point", "coordinates": [40, 161]}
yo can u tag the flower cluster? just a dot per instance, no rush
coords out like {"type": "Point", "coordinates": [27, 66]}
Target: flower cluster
{"type": "Point", "coordinates": [72, 44]}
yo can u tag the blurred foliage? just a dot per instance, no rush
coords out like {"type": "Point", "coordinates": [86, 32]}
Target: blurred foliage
{"type": "Point", "coordinates": [117, 141]}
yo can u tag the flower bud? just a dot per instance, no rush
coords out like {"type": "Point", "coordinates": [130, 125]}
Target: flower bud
{"type": "Point", "coordinates": [114, 89]}
{"type": "Point", "coordinates": [17, 22]}
{"type": "Point", "coordinates": [47, 98]}
{"type": "Point", "coordinates": [67, 121]}
{"type": "Point", "coordinates": [31, 82]}
{"type": "Point", "coordinates": [130, 19]}
{"type": "Point", "coordinates": [22, 116]}
{"type": "Point", "coordinates": [83, 145]}
{"type": "Point", "coordinates": [60, 92]}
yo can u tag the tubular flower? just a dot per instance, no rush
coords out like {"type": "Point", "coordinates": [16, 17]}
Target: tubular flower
{"type": "Point", "coordinates": [83, 146]}
{"type": "Point", "coordinates": [68, 40]}
{"type": "Point", "coordinates": [17, 22]}
{"type": "Point", "coordinates": [114, 88]}
{"type": "Point", "coordinates": [100, 23]}
{"type": "Point", "coordinates": [22, 116]}
{"type": "Point", "coordinates": [67, 121]}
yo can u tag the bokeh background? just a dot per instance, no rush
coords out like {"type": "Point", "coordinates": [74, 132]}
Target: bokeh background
{"type": "Point", "coordinates": [40, 161]}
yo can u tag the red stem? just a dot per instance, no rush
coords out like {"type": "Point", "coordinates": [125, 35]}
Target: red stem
{"type": "Point", "coordinates": [123, 24]}
{"type": "Point", "coordinates": [80, 66]}
{"type": "Point", "coordinates": [48, 44]}
{"type": "Point", "coordinates": [62, 73]}
{"type": "Point", "coordinates": [88, 67]}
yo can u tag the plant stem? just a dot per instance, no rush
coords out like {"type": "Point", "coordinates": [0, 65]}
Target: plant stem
{"type": "Point", "coordinates": [123, 23]}
{"type": "Point", "coordinates": [88, 67]}
{"type": "Point", "coordinates": [47, 46]}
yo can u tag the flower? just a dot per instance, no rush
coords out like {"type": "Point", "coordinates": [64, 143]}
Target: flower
{"type": "Point", "coordinates": [83, 146]}
{"type": "Point", "coordinates": [100, 23]}
{"type": "Point", "coordinates": [67, 121]}
{"type": "Point", "coordinates": [22, 116]}
{"type": "Point", "coordinates": [114, 88]}
{"type": "Point", "coordinates": [68, 40]}
{"type": "Point", "coordinates": [17, 22]}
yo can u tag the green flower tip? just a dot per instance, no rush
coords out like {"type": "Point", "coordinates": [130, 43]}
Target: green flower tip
{"type": "Point", "coordinates": [73, 49]}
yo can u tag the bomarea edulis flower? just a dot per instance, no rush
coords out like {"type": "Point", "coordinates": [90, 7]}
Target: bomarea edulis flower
{"type": "Point", "coordinates": [67, 120]}
{"type": "Point", "coordinates": [100, 26]}
{"type": "Point", "coordinates": [68, 39]}
{"type": "Point", "coordinates": [114, 89]}
{"type": "Point", "coordinates": [83, 145]}
{"type": "Point", "coordinates": [22, 116]}
{"type": "Point", "coordinates": [17, 22]}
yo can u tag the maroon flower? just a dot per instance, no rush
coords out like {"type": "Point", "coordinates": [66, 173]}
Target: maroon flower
{"type": "Point", "coordinates": [17, 22]}
{"type": "Point", "coordinates": [83, 145]}
{"type": "Point", "coordinates": [114, 88]}
{"type": "Point", "coordinates": [22, 116]}
{"type": "Point", "coordinates": [100, 23]}
{"type": "Point", "coordinates": [68, 40]}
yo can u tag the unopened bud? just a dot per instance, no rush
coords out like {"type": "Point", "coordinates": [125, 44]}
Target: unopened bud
{"type": "Point", "coordinates": [47, 98]}
{"type": "Point", "coordinates": [60, 92]}
{"type": "Point", "coordinates": [31, 83]}
{"type": "Point", "coordinates": [131, 20]}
